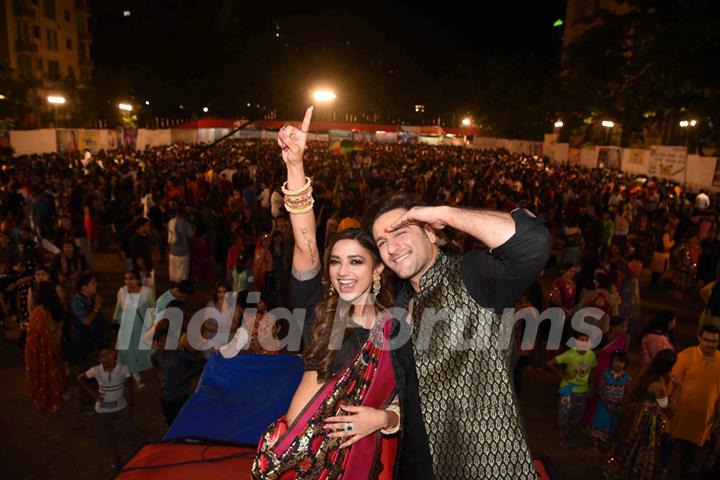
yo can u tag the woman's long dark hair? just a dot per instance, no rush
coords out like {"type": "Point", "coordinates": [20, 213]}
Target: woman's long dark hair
{"type": "Point", "coordinates": [661, 325]}
{"type": "Point", "coordinates": [48, 298]}
{"type": "Point", "coordinates": [661, 366]}
{"type": "Point", "coordinates": [319, 352]}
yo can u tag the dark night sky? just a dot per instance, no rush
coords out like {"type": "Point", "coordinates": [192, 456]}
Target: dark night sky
{"type": "Point", "coordinates": [226, 53]}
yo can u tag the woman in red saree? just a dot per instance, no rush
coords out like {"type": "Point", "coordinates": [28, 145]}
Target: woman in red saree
{"type": "Point", "coordinates": [43, 366]}
{"type": "Point", "coordinates": [344, 404]}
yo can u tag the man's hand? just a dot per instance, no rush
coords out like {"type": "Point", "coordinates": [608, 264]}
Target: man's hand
{"type": "Point", "coordinates": [436, 217]}
{"type": "Point", "coordinates": [293, 141]}
{"type": "Point", "coordinates": [98, 301]}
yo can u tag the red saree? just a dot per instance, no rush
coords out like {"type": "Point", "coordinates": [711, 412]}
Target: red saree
{"type": "Point", "coordinates": [43, 366]}
{"type": "Point", "coordinates": [303, 451]}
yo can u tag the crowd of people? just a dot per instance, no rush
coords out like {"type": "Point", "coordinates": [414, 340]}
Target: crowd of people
{"type": "Point", "coordinates": [217, 217]}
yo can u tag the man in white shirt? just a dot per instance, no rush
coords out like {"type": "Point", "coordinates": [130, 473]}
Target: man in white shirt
{"type": "Point", "coordinates": [115, 386]}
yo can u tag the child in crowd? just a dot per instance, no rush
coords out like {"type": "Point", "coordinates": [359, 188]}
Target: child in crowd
{"type": "Point", "coordinates": [176, 370]}
{"type": "Point", "coordinates": [113, 401]}
{"type": "Point", "coordinates": [611, 392]}
{"type": "Point", "coordinates": [574, 388]}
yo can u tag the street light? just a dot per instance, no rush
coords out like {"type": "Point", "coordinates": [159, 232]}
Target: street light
{"type": "Point", "coordinates": [559, 124]}
{"type": "Point", "coordinates": [686, 124]}
{"type": "Point", "coordinates": [607, 124]}
{"type": "Point", "coordinates": [205, 109]}
{"type": "Point", "coordinates": [327, 97]}
{"type": "Point", "coordinates": [56, 100]}
{"type": "Point", "coordinates": [125, 107]}
{"type": "Point", "coordinates": [466, 122]}
{"type": "Point", "coordinates": [324, 95]}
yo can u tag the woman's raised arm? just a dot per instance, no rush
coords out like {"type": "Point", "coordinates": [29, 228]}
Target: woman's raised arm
{"type": "Point", "coordinates": [298, 196]}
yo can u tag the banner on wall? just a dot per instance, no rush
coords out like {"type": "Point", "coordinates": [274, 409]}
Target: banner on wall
{"type": "Point", "coordinates": [89, 140]}
{"type": "Point", "coordinates": [130, 138]}
{"type": "Point", "coordinates": [635, 161]}
{"type": "Point", "coordinates": [668, 162]}
{"type": "Point", "coordinates": [609, 158]}
{"type": "Point", "coordinates": [716, 175]}
{"type": "Point", "coordinates": [66, 140]}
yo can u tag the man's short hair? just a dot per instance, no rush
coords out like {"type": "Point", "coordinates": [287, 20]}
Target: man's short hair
{"type": "Point", "coordinates": [389, 203]}
{"type": "Point", "coordinates": [709, 328]}
{"type": "Point", "coordinates": [83, 280]}
{"type": "Point", "coordinates": [186, 287]}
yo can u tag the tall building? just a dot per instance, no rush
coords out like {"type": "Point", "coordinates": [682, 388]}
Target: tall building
{"type": "Point", "coordinates": [47, 40]}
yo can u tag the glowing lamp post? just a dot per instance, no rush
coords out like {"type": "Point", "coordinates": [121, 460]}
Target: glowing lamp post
{"type": "Point", "coordinates": [608, 124]}
{"type": "Point", "coordinates": [56, 100]}
{"type": "Point", "coordinates": [684, 124]}
{"type": "Point", "coordinates": [326, 97]}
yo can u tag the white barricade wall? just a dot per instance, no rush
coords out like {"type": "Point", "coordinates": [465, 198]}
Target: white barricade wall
{"type": "Point", "coordinates": [28, 142]}
{"type": "Point", "coordinates": [700, 172]}
{"type": "Point", "coordinates": [153, 138]}
{"type": "Point", "coordinates": [588, 157]}
{"type": "Point", "coordinates": [559, 152]}
{"type": "Point", "coordinates": [184, 135]}
{"type": "Point", "coordinates": [485, 142]}
{"type": "Point", "coordinates": [666, 162]}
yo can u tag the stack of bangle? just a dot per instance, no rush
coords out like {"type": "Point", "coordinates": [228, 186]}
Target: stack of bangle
{"type": "Point", "coordinates": [395, 408]}
{"type": "Point", "coordinates": [300, 200]}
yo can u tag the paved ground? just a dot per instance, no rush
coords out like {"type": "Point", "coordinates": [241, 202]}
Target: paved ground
{"type": "Point", "coordinates": [66, 445]}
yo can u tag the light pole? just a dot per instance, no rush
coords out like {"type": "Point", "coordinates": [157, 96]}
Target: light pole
{"type": "Point", "coordinates": [608, 124]}
{"type": "Point", "coordinates": [324, 96]}
{"type": "Point", "coordinates": [684, 124]}
{"type": "Point", "coordinates": [125, 113]}
{"type": "Point", "coordinates": [56, 100]}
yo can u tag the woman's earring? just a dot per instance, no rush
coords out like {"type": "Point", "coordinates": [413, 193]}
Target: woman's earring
{"type": "Point", "coordinates": [376, 284]}
{"type": "Point", "coordinates": [331, 292]}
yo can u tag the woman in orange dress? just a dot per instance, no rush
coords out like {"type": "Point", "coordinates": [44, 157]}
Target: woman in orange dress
{"type": "Point", "coordinates": [43, 365]}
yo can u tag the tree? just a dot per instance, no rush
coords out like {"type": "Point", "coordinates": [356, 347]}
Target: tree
{"type": "Point", "coordinates": [647, 69]}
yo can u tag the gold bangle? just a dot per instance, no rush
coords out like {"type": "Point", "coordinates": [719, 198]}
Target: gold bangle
{"type": "Point", "coordinates": [297, 199]}
{"type": "Point", "coordinates": [395, 408]}
{"type": "Point", "coordinates": [299, 191]}
{"type": "Point", "coordinates": [302, 208]}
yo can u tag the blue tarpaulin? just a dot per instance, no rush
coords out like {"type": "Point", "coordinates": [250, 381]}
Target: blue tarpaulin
{"type": "Point", "coordinates": [238, 398]}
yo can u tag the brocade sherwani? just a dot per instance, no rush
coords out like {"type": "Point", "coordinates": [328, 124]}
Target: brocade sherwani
{"type": "Point", "coordinates": [463, 361]}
